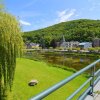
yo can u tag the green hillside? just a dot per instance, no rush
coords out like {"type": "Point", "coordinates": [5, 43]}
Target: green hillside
{"type": "Point", "coordinates": [76, 30]}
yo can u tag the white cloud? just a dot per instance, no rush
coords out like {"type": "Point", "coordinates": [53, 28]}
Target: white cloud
{"type": "Point", "coordinates": [24, 23]}
{"type": "Point", "coordinates": [65, 15]}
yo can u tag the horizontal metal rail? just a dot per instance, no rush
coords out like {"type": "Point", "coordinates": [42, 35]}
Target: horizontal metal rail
{"type": "Point", "coordinates": [78, 90]}
{"type": "Point", "coordinates": [88, 90]}
{"type": "Point", "coordinates": [96, 81]}
{"type": "Point", "coordinates": [82, 86]}
{"type": "Point", "coordinates": [85, 93]}
{"type": "Point", "coordinates": [63, 82]}
{"type": "Point", "coordinates": [97, 72]}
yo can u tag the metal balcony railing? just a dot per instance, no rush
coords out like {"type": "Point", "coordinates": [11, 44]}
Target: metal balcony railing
{"type": "Point", "coordinates": [93, 79]}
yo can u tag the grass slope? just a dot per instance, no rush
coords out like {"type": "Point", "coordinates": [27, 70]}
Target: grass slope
{"type": "Point", "coordinates": [47, 76]}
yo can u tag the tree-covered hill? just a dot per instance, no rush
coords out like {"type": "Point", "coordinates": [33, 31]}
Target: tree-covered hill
{"type": "Point", "coordinates": [76, 30]}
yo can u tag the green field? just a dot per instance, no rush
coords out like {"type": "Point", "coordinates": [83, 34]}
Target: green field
{"type": "Point", "coordinates": [47, 76]}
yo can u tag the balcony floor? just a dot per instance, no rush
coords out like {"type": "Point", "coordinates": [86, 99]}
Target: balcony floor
{"type": "Point", "coordinates": [96, 95]}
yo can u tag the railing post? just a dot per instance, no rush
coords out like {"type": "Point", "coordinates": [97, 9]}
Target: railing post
{"type": "Point", "coordinates": [92, 81]}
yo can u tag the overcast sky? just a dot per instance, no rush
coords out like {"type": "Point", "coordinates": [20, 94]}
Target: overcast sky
{"type": "Point", "coordinates": [36, 14]}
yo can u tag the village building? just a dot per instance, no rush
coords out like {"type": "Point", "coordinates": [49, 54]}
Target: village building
{"type": "Point", "coordinates": [32, 45]}
{"type": "Point", "coordinates": [71, 44]}
{"type": "Point", "coordinates": [96, 42]}
{"type": "Point", "coordinates": [85, 45]}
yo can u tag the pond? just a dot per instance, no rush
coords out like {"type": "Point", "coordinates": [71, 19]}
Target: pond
{"type": "Point", "coordinates": [75, 61]}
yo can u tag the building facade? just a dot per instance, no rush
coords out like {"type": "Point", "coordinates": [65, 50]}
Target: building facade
{"type": "Point", "coordinates": [96, 43]}
{"type": "Point", "coordinates": [85, 45]}
{"type": "Point", "coordinates": [32, 45]}
{"type": "Point", "coordinates": [70, 44]}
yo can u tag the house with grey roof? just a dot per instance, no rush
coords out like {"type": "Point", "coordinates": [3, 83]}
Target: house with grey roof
{"type": "Point", "coordinates": [32, 45]}
{"type": "Point", "coordinates": [85, 45]}
{"type": "Point", "coordinates": [70, 44]}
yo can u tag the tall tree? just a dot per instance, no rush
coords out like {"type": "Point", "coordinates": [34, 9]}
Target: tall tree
{"type": "Point", "coordinates": [53, 43]}
{"type": "Point", "coordinates": [10, 46]}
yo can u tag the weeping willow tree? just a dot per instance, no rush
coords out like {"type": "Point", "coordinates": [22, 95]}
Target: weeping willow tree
{"type": "Point", "coordinates": [10, 47]}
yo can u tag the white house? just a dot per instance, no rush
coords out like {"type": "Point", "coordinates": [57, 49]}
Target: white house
{"type": "Point", "coordinates": [85, 45]}
{"type": "Point", "coordinates": [32, 45]}
{"type": "Point", "coordinates": [70, 44]}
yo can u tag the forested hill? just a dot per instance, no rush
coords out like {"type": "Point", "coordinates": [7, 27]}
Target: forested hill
{"type": "Point", "coordinates": [76, 30]}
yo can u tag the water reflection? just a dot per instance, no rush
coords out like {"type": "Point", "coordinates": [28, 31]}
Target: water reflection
{"type": "Point", "coordinates": [73, 61]}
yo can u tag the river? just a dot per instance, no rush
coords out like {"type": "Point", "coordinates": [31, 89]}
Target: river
{"type": "Point", "coordinates": [75, 61]}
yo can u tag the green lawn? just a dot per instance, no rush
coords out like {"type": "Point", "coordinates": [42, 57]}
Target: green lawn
{"type": "Point", "coordinates": [47, 76]}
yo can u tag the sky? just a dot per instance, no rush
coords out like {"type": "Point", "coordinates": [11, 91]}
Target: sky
{"type": "Point", "coordinates": [37, 14]}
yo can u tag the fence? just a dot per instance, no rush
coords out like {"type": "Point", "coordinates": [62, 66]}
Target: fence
{"type": "Point", "coordinates": [93, 79]}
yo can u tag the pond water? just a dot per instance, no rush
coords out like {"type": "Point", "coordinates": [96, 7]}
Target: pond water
{"type": "Point", "coordinates": [61, 58]}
